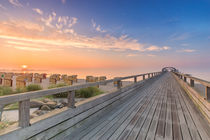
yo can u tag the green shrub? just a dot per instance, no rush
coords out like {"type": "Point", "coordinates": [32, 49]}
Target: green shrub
{"type": "Point", "coordinates": [59, 95]}
{"type": "Point", "coordinates": [5, 90]}
{"type": "Point", "coordinates": [57, 85]}
{"type": "Point", "coordinates": [20, 90]}
{"type": "Point", "coordinates": [33, 87]}
{"type": "Point", "coordinates": [88, 92]}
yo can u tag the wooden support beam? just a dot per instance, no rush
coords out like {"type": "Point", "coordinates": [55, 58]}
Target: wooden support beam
{"type": "Point", "coordinates": [119, 84]}
{"type": "Point", "coordinates": [71, 99]}
{"type": "Point", "coordinates": [207, 93]}
{"type": "Point", "coordinates": [143, 77]}
{"type": "Point", "coordinates": [185, 79]}
{"type": "Point", "coordinates": [24, 113]}
{"type": "Point", "coordinates": [135, 79]}
{"type": "Point", "coordinates": [148, 75]}
{"type": "Point", "coordinates": [192, 83]}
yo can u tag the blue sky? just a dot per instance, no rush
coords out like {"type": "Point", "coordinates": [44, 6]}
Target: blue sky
{"type": "Point", "coordinates": [120, 33]}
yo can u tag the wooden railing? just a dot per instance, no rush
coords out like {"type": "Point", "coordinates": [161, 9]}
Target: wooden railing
{"type": "Point", "coordinates": [192, 83]}
{"type": "Point", "coordinates": [24, 98]}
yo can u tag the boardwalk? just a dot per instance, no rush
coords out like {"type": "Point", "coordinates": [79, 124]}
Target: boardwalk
{"type": "Point", "coordinates": [159, 110]}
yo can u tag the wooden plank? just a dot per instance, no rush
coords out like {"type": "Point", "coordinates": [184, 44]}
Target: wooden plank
{"type": "Point", "coordinates": [135, 118]}
{"type": "Point", "coordinates": [183, 123]}
{"type": "Point", "coordinates": [175, 121]}
{"type": "Point", "coordinates": [111, 118]}
{"type": "Point", "coordinates": [190, 123]}
{"type": "Point", "coordinates": [82, 131]}
{"type": "Point", "coordinates": [168, 127]}
{"type": "Point", "coordinates": [160, 133]}
{"type": "Point", "coordinates": [198, 121]}
{"type": "Point", "coordinates": [115, 127]}
{"type": "Point", "coordinates": [146, 124]}
{"type": "Point", "coordinates": [54, 119]}
{"type": "Point", "coordinates": [117, 119]}
{"type": "Point", "coordinates": [139, 124]}
{"type": "Point", "coordinates": [154, 123]}
{"type": "Point", "coordinates": [134, 132]}
{"type": "Point", "coordinates": [50, 132]}
{"type": "Point", "coordinates": [120, 129]}
{"type": "Point", "coordinates": [68, 123]}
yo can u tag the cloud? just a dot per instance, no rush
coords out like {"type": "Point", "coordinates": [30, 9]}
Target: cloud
{"type": "Point", "coordinates": [69, 31]}
{"type": "Point", "coordinates": [29, 48]}
{"type": "Point", "coordinates": [156, 48]}
{"type": "Point", "coordinates": [131, 55]}
{"type": "Point", "coordinates": [49, 19]}
{"type": "Point", "coordinates": [40, 12]}
{"type": "Point", "coordinates": [72, 21]}
{"type": "Point", "coordinates": [15, 3]}
{"type": "Point", "coordinates": [13, 24]}
{"type": "Point", "coordinates": [97, 27]}
{"type": "Point", "coordinates": [2, 7]}
{"type": "Point", "coordinates": [62, 37]}
{"type": "Point", "coordinates": [61, 24]}
{"type": "Point", "coordinates": [186, 50]}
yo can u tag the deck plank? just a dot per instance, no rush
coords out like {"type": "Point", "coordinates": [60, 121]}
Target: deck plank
{"type": "Point", "coordinates": [135, 119]}
{"type": "Point", "coordinates": [159, 111]}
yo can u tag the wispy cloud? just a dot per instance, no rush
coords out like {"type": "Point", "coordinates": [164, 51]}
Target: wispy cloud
{"type": "Point", "coordinates": [156, 48]}
{"type": "Point", "coordinates": [15, 3]}
{"type": "Point", "coordinates": [97, 27]}
{"type": "Point", "coordinates": [187, 50]}
{"type": "Point", "coordinates": [62, 24]}
{"type": "Point", "coordinates": [48, 20]}
{"type": "Point", "coordinates": [13, 24]}
{"type": "Point", "coordinates": [37, 10]}
{"type": "Point", "coordinates": [29, 48]}
{"type": "Point", "coordinates": [56, 31]}
{"type": "Point", "coordinates": [2, 7]}
{"type": "Point", "coordinates": [131, 55]}
{"type": "Point", "coordinates": [151, 55]}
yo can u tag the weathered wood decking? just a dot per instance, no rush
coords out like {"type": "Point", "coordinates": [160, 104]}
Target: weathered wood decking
{"type": "Point", "coordinates": [159, 111]}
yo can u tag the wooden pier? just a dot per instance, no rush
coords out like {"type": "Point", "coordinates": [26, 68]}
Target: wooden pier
{"type": "Point", "coordinates": [161, 106]}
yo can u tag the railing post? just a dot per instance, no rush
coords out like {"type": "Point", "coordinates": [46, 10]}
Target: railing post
{"type": "Point", "coordinates": [135, 79]}
{"type": "Point", "coordinates": [192, 83]}
{"type": "Point", "coordinates": [207, 93]}
{"type": "Point", "coordinates": [24, 113]}
{"type": "Point", "coordinates": [71, 99]}
{"type": "Point", "coordinates": [1, 111]}
{"type": "Point", "coordinates": [143, 77]}
{"type": "Point", "coordinates": [185, 79]}
{"type": "Point", "coordinates": [119, 84]}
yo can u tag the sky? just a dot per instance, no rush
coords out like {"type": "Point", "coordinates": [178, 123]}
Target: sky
{"type": "Point", "coordinates": [105, 37]}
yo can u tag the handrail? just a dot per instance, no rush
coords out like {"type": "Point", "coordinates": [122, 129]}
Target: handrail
{"type": "Point", "coordinates": [24, 98]}
{"type": "Point", "coordinates": [192, 79]}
